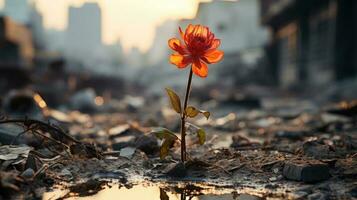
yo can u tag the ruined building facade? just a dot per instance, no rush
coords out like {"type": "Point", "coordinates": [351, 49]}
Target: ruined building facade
{"type": "Point", "coordinates": [313, 42]}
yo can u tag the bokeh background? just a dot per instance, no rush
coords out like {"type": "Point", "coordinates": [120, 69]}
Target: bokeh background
{"type": "Point", "coordinates": [109, 49]}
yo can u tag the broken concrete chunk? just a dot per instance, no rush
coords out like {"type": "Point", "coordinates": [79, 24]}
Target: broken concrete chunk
{"type": "Point", "coordinates": [306, 172]}
{"type": "Point", "coordinates": [14, 152]}
{"type": "Point", "coordinates": [176, 170]}
{"type": "Point", "coordinates": [147, 144]}
{"type": "Point", "coordinates": [28, 173]}
{"type": "Point", "coordinates": [248, 197]}
{"type": "Point", "coordinates": [293, 135]}
{"type": "Point", "coordinates": [317, 196]}
{"type": "Point", "coordinates": [316, 150]}
{"type": "Point", "coordinates": [66, 174]}
{"type": "Point", "coordinates": [127, 152]}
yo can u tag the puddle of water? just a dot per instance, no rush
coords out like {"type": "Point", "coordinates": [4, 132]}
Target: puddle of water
{"type": "Point", "coordinates": [142, 192]}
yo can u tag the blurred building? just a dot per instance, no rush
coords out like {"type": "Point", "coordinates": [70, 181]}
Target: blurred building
{"type": "Point", "coordinates": [36, 25]}
{"type": "Point", "coordinates": [55, 40]}
{"type": "Point", "coordinates": [313, 41]}
{"type": "Point", "coordinates": [84, 33]}
{"type": "Point", "coordinates": [237, 23]}
{"type": "Point", "coordinates": [18, 10]}
{"type": "Point", "coordinates": [159, 50]}
{"type": "Point", "coordinates": [16, 54]}
{"type": "Point", "coordinates": [16, 46]}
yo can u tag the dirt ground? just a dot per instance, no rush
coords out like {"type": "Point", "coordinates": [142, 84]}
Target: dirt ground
{"type": "Point", "coordinates": [268, 148]}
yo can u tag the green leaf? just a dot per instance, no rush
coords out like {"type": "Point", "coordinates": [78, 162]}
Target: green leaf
{"type": "Point", "coordinates": [193, 112]}
{"type": "Point", "coordinates": [163, 133]}
{"type": "Point", "coordinates": [166, 146]}
{"type": "Point", "coordinates": [201, 134]}
{"type": "Point", "coordinates": [174, 99]}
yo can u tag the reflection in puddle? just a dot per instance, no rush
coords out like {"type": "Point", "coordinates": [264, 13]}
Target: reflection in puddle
{"type": "Point", "coordinates": [140, 192]}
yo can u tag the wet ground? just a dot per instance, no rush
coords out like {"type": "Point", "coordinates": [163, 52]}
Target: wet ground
{"type": "Point", "coordinates": [271, 148]}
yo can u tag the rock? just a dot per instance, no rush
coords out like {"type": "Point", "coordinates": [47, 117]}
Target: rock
{"type": "Point", "coordinates": [32, 162]}
{"type": "Point", "coordinates": [147, 144]}
{"type": "Point", "coordinates": [118, 130]}
{"type": "Point", "coordinates": [348, 109]}
{"type": "Point", "coordinates": [14, 154]}
{"type": "Point", "coordinates": [248, 197]}
{"type": "Point", "coordinates": [8, 134]}
{"type": "Point", "coordinates": [332, 118]}
{"type": "Point", "coordinates": [353, 192]}
{"type": "Point", "coordinates": [350, 173]}
{"type": "Point", "coordinates": [292, 135]}
{"type": "Point", "coordinates": [28, 173]}
{"type": "Point", "coordinates": [127, 152]}
{"type": "Point", "coordinates": [84, 101]}
{"type": "Point", "coordinates": [122, 142]}
{"type": "Point", "coordinates": [19, 103]}
{"type": "Point", "coordinates": [176, 170]}
{"type": "Point", "coordinates": [299, 195]}
{"type": "Point", "coordinates": [316, 150]}
{"type": "Point", "coordinates": [133, 103]}
{"type": "Point", "coordinates": [242, 101]}
{"type": "Point", "coordinates": [307, 172]}
{"type": "Point", "coordinates": [317, 196]}
{"type": "Point", "coordinates": [66, 174]}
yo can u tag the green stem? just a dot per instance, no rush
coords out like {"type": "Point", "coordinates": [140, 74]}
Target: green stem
{"type": "Point", "coordinates": [183, 118]}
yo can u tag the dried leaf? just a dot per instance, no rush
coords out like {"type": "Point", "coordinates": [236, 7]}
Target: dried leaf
{"type": "Point", "coordinates": [193, 112]}
{"type": "Point", "coordinates": [174, 99]}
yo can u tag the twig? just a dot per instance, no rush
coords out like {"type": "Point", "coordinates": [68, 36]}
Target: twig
{"type": "Point", "coordinates": [42, 126]}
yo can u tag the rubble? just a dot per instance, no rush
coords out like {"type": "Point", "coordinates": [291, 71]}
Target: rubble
{"type": "Point", "coordinates": [176, 170]}
{"type": "Point", "coordinates": [289, 154]}
{"type": "Point", "coordinates": [308, 172]}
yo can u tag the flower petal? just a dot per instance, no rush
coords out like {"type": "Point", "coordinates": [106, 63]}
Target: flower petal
{"type": "Point", "coordinates": [179, 60]}
{"type": "Point", "coordinates": [174, 43]}
{"type": "Point", "coordinates": [213, 56]}
{"type": "Point", "coordinates": [189, 29]}
{"type": "Point", "coordinates": [200, 68]}
{"type": "Point", "coordinates": [215, 43]}
{"type": "Point", "coordinates": [181, 33]}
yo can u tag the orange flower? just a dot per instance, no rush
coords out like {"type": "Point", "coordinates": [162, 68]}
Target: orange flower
{"type": "Point", "coordinates": [199, 49]}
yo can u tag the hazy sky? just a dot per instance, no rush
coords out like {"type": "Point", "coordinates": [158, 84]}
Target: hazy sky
{"type": "Point", "coordinates": [131, 21]}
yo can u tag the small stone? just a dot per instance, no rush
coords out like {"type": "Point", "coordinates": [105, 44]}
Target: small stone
{"type": "Point", "coordinates": [306, 172]}
{"type": "Point", "coordinates": [276, 170]}
{"type": "Point", "coordinates": [316, 150]}
{"type": "Point", "coordinates": [127, 152]}
{"type": "Point", "coordinates": [353, 192]}
{"type": "Point", "coordinates": [122, 142]}
{"type": "Point", "coordinates": [299, 195]}
{"type": "Point", "coordinates": [147, 144]}
{"type": "Point", "coordinates": [176, 170]}
{"type": "Point", "coordinates": [28, 173]}
{"type": "Point", "coordinates": [316, 196]}
{"type": "Point", "coordinates": [248, 197]}
{"type": "Point", "coordinates": [66, 174]}
{"type": "Point", "coordinates": [293, 135]}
